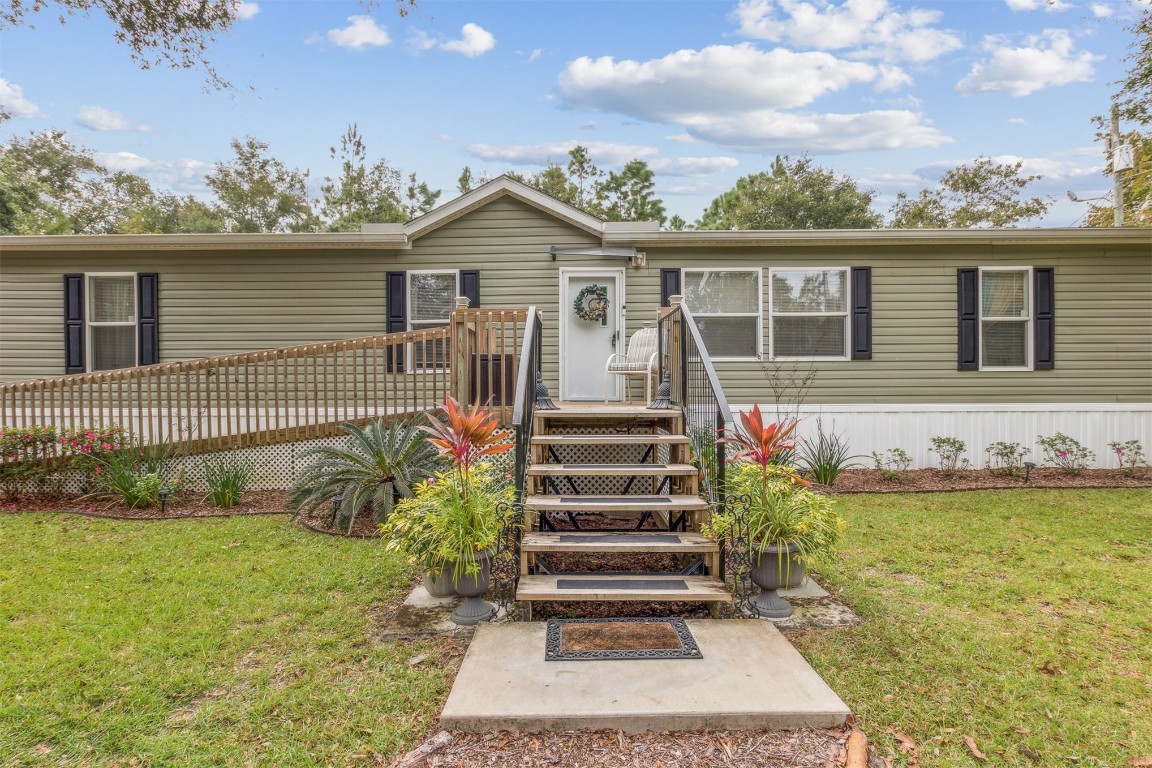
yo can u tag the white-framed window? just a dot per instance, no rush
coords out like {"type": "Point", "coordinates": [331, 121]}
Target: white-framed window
{"type": "Point", "coordinates": [808, 313]}
{"type": "Point", "coordinates": [728, 306]}
{"type": "Point", "coordinates": [111, 315]}
{"type": "Point", "coordinates": [431, 299]}
{"type": "Point", "coordinates": [1005, 318]}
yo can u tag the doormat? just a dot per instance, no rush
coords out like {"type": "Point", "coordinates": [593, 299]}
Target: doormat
{"type": "Point", "coordinates": [644, 638]}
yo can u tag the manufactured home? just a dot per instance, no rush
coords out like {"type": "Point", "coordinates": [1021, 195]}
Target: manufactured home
{"type": "Point", "coordinates": [887, 337]}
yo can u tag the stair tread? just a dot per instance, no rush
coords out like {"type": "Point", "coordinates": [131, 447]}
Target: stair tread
{"type": "Point", "coordinates": [593, 411]}
{"type": "Point", "coordinates": [612, 469]}
{"type": "Point", "coordinates": [622, 587]}
{"type": "Point", "coordinates": [616, 542]}
{"type": "Point", "coordinates": [610, 439]}
{"type": "Point", "coordinates": [670, 502]}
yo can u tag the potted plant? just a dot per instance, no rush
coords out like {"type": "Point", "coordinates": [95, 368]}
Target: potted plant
{"type": "Point", "coordinates": [453, 518]}
{"type": "Point", "coordinates": [773, 512]}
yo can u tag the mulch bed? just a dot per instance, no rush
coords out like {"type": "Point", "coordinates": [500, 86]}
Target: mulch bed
{"type": "Point", "coordinates": [849, 481]}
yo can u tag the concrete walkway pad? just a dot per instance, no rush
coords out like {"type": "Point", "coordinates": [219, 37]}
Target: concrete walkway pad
{"type": "Point", "coordinates": [750, 678]}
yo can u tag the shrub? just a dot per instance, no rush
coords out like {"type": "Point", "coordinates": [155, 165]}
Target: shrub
{"type": "Point", "coordinates": [1006, 458]}
{"type": "Point", "coordinates": [25, 454]}
{"type": "Point", "coordinates": [892, 464]}
{"type": "Point", "coordinates": [1066, 453]}
{"type": "Point", "coordinates": [949, 450]}
{"type": "Point", "coordinates": [1129, 455]}
{"type": "Point", "coordinates": [826, 456]}
{"type": "Point", "coordinates": [134, 476]}
{"type": "Point", "coordinates": [228, 478]}
{"type": "Point", "coordinates": [375, 464]}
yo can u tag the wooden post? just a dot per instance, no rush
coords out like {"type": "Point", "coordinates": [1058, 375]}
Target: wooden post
{"type": "Point", "coordinates": [461, 350]}
{"type": "Point", "coordinates": [675, 354]}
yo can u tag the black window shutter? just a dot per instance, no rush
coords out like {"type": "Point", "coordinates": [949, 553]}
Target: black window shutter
{"type": "Point", "coordinates": [397, 299]}
{"type": "Point", "coordinates": [968, 319]}
{"type": "Point", "coordinates": [669, 285]}
{"type": "Point", "coordinates": [1044, 318]}
{"type": "Point", "coordinates": [470, 286]}
{"type": "Point", "coordinates": [861, 313]}
{"type": "Point", "coordinates": [73, 323]}
{"type": "Point", "coordinates": [147, 325]}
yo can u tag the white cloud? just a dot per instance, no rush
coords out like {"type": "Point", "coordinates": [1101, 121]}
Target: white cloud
{"type": "Point", "coordinates": [474, 41]}
{"type": "Point", "coordinates": [892, 78]}
{"type": "Point", "coordinates": [693, 166]}
{"type": "Point", "coordinates": [1101, 11]}
{"type": "Point", "coordinates": [100, 119]}
{"type": "Point", "coordinates": [13, 101]}
{"type": "Point", "coordinates": [361, 31]}
{"type": "Point", "coordinates": [245, 10]}
{"type": "Point", "coordinates": [719, 78]}
{"type": "Point", "coordinates": [867, 28]}
{"type": "Point", "coordinates": [1044, 60]}
{"type": "Point", "coordinates": [735, 96]}
{"type": "Point", "coordinates": [683, 138]}
{"type": "Point", "coordinates": [1051, 6]}
{"type": "Point", "coordinates": [421, 41]}
{"type": "Point", "coordinates": [772, 131]}
{"type": "Point", "coordinates": [533, 55]}
{"type": "Point", "coordinates": [603, 153]}
{"type": "Point", "coordinates": [182, 175]}
{"type": "Point", "coordinates": [1017, 121]}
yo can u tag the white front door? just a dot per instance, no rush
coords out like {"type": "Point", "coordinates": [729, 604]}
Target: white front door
{"type": "Point", "coordinates": [585, 345]}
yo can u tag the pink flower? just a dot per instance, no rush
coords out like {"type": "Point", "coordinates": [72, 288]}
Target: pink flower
{"type": "Point", "coordinates": [1063, 454]}
{"type": "Point", "coordinates": [1119, 451]}
{"type": "Point", "coordinates": [90, 435]}
{"type": "Point", "coordinates": [106, 446]}
{"type": "Point", "coordinates": [85, 448]}
{"type": "Point", "coordinates": [97, 470]}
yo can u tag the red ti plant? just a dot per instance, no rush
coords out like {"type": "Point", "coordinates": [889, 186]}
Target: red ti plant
{"type": "Point", "coordinates": [759, 442]}
{"type": "Point", "coordinates": [464, 435]}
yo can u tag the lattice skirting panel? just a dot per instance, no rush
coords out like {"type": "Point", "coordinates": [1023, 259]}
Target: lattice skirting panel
{"type": "Point", "coordinates": [603, 454]}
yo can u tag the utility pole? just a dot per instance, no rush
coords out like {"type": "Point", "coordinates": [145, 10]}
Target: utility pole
{"type": "Point", "coordinates": [1118, 159]}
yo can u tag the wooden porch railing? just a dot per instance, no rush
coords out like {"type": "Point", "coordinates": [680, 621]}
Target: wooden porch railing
{"type": "Point", "coordinates": [283, 395]}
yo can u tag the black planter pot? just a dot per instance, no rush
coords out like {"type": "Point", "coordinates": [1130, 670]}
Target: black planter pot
{"type": "Point", "coordinates": [775, 568]}
{"type": "Point", "coordinates": [472, 610]}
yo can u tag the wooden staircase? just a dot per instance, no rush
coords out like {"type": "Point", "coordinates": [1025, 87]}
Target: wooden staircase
{"type": "Point", "coordinates": [608, 483]}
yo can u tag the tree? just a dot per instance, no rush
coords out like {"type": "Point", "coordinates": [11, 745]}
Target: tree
{"type": "Point", "coordinates": [419, 197]}
{"type": "Point", "coordinates": [174, 33]}
{"type": "Point", "coordinates": [584, 175]}
{"type": "Point", "coordinates": [363, 194]}
{"type": "Point", "coordinates": [257, 193]}
{"type": "Point", "coordinates": [793, 194]}
{"type": "Point", "coordinates": [628, 195]}
{"type": "Point", "coordinates": [1137, 187]}
{"type": "Point", "coordinates": [141, 210]}
{"type": "Point", "coordinates": [1135, 95]}
{"type": "Point", "coordinates": [50, 186]}
{"type": "Point", "coordinates": [982, 193]}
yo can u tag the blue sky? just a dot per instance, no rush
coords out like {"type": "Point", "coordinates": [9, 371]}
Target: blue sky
{"type": "Point", "coordinates": [705, 91]}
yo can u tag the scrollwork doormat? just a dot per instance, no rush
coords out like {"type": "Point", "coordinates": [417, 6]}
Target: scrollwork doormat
{"type": "Point", "coordinates": [620, 638]}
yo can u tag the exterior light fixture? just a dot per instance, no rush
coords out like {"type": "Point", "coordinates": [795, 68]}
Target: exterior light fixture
{"type": "Point", "coordinates": [336, 502]}
{"type": "Point", "coordinates": [163, 493]}
{"type": "Point", "coordinates": [1028, 467]}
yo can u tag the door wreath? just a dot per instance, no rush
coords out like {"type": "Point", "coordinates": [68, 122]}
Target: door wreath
{"type": "Point", "coordinates": [591, 303]}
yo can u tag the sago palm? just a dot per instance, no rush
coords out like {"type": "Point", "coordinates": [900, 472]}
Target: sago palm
{"type": "Point", "coordinates": [374, 465]}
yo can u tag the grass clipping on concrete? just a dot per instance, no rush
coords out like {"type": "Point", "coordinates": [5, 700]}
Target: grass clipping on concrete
{"type": "Point", "coordinates": [1014, 624]}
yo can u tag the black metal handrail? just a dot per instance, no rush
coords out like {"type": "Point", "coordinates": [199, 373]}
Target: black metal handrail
{"type": "Point", "coordinates": [696, 390]}
{"type": "Point", "coordinates": [525, 399]}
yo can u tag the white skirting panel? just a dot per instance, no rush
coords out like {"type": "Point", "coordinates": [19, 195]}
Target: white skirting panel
{"type": "Point", "coordinates": [871, 427]}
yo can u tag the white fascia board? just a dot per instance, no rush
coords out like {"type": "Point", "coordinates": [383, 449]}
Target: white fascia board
{"type": "Point", "coordinates": [889, 237]}
{"type": "Point", "coordinates": [226, 241]}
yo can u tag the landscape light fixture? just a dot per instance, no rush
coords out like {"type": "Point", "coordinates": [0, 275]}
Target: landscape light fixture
{"type": "Point", "coordinates": [336, 502]}
{"type": "Point", "coordinates": [1028, 467]}
{"type": "Point", "coordinates": [163, 493]}
{"type": "Point", "coordinates": [663, 401]}
{"type": "Point", "coordinates": [543, 399]}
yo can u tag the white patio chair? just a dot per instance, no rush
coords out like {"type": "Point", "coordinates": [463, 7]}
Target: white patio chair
{"type": "Point", "coordinates": [639, 359]}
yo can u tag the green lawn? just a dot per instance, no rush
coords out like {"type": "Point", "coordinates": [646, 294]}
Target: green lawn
{"type": "Point", "coordinates": [247, 641]}
{"type": "Point", "coordinates": [988, 614]}
{"type": "Point", "coordinates": [202, 643]}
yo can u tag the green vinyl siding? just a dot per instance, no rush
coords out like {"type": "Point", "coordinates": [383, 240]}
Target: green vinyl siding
{"type": "Point", "coordinates": [1103, 326]}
